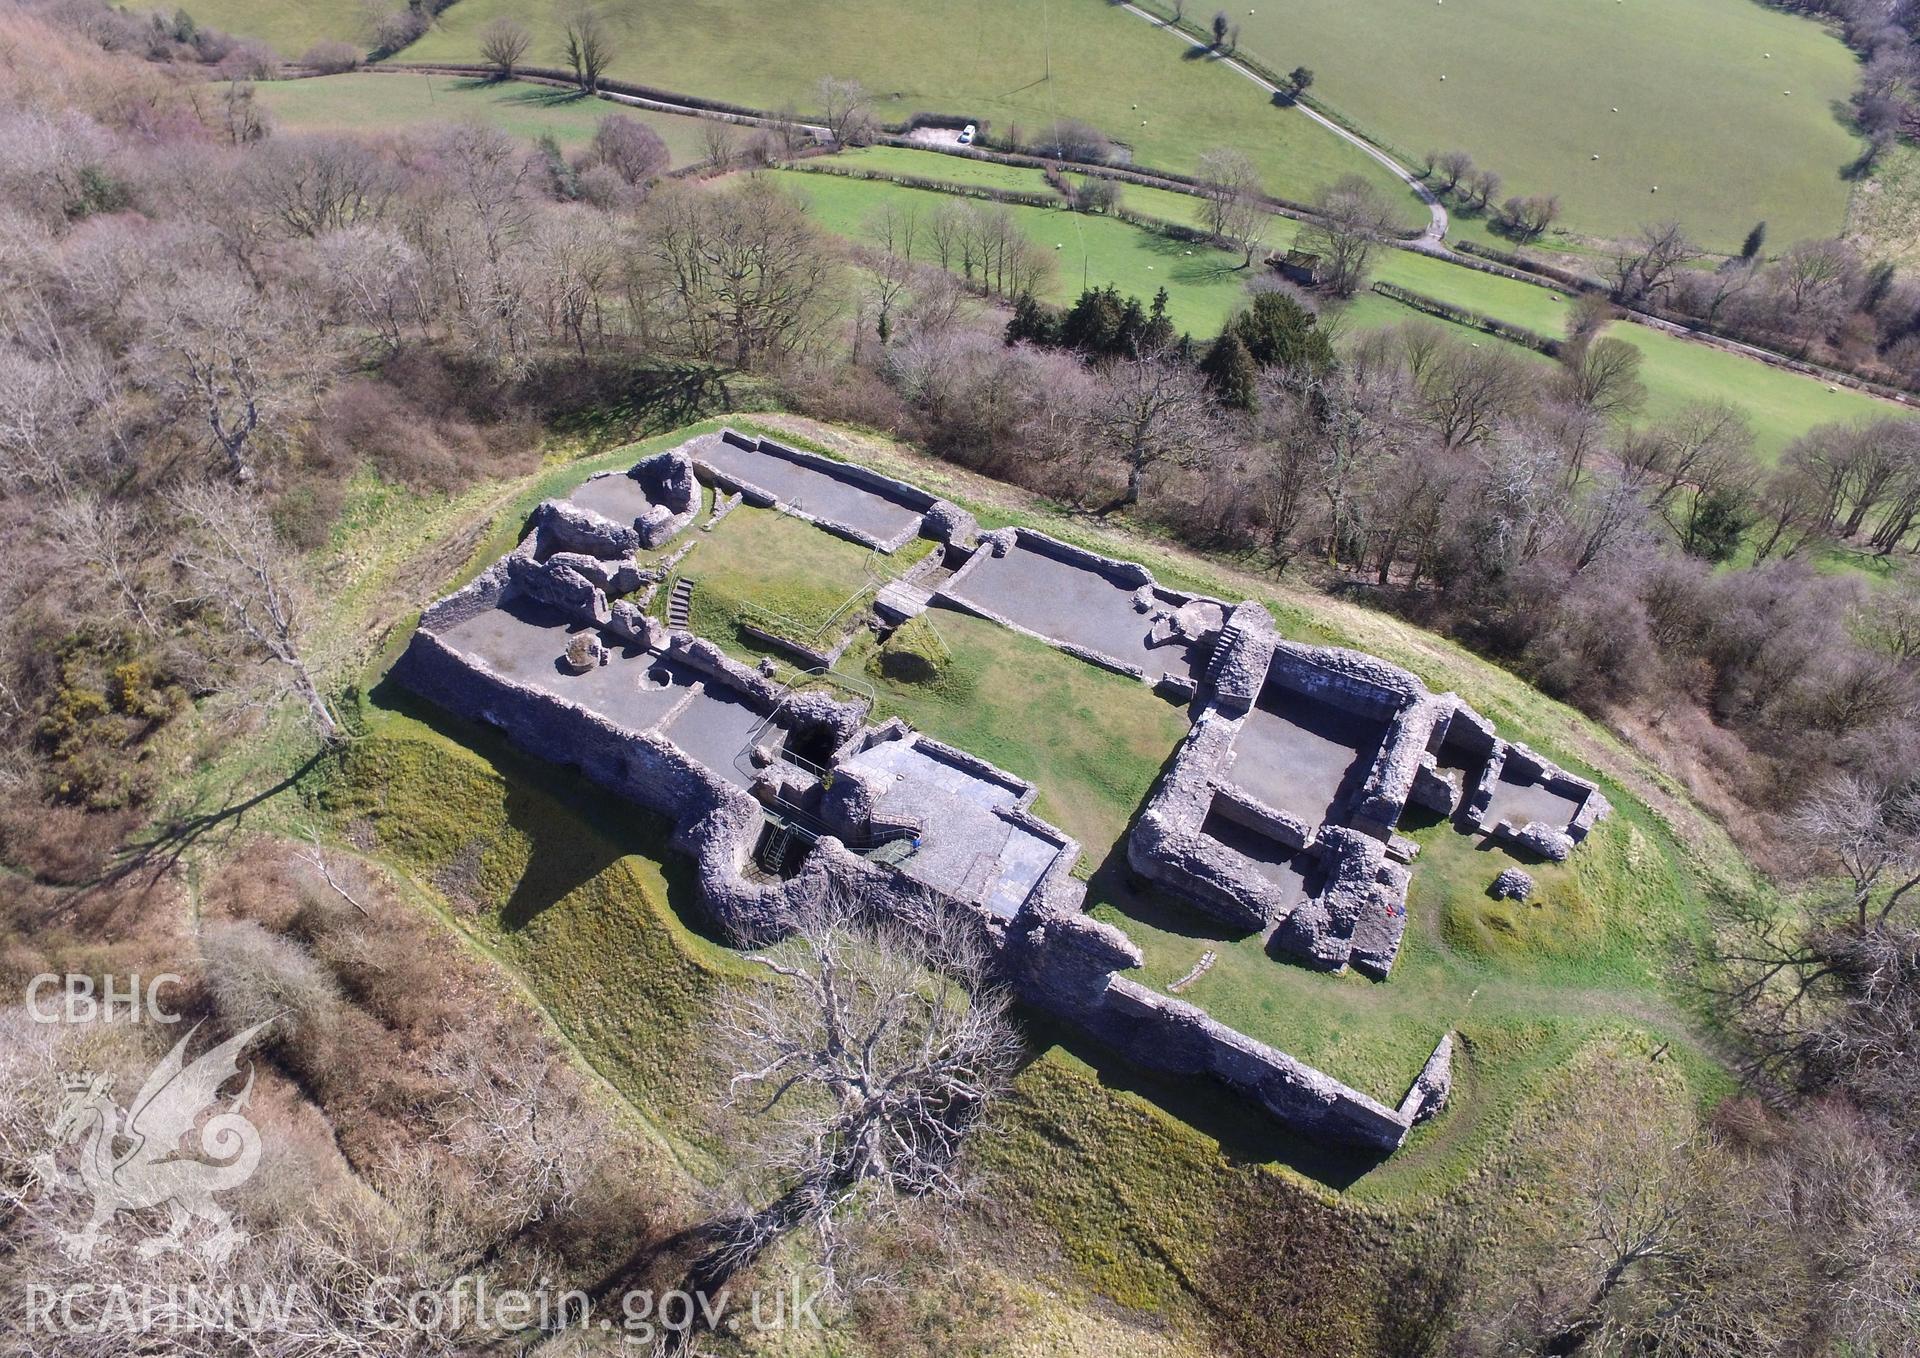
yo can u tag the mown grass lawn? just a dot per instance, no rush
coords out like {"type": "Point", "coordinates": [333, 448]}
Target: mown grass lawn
{"type": "Point", "coordinates": [775, 570]}
{"type": "Point", "coordinates": [1704, 112]}
{"type": "Point", "coordinates": [364, 102]}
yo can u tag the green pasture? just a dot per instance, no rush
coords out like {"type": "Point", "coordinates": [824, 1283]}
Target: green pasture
{"type": "Point", "coordinates": [1007, 62]}
{"type": "Point", "coordinates": [1204, 285]}
{"type": "Point", "coordinates": [1702, 88]}
{"type": "Point", "coordinates": [1779, 404]}
{"type": "Point", "coordinates": [364, 102]}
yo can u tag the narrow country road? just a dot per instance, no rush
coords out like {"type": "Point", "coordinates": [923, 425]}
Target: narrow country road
{"type": "Point", "coordinates": [1433, 239]}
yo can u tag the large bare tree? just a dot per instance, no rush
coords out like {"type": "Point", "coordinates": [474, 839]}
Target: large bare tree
{"type": "Point", "coordinates": [1152, 410]}
{"type": "Point", "coordinates": [504, 44]}
{"type": "Point", "coordinates": [586, 42]}
{"type": "Point", "coordinates": [847, 108]}
{"type": "Point", "coordinates": [1352, 218]}
{"type": "Point", "coordinates": [237, 565]}
{"type": "Point", "coordinates": [1230, 196]}
{"type": "Point", "coordinates": [862, 1065]}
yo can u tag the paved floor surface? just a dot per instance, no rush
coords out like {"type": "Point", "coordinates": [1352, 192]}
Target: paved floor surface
{"type": "Point", "coordinates": [1523, 802]}
{"type": "Point", "coordinates": [1280, 865]}
{"type": "Point", "coordinates": [1300, 755]}
{"type": "Point", "coordinates": [1073, 604]}
{"type": "Point", "coordinates": [619, 498]}
{"type": "Point", "coordinates": [635, 689]}
{"type": "Point", "coordinates": [817, 492]}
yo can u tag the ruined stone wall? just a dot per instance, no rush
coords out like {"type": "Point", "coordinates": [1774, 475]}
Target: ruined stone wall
{"type": "Point", "coordinates": [908, 496]}
{"type": "Point", "coordinates": [1349, 680]}
{"type": "Point", "coordinates": [1166, 844]}
{"type": "Point", "coordinates": [1126, 574]}
{"type": "Point", "coordinates": [1383, 797]}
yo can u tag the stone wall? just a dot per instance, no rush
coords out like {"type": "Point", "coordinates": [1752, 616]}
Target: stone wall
{"type": "Point", "coordinates": [1242, 656]}
{"type": "Point", "coordinates": [1056, 957]}
{"type": "Point", "coordinates": [1348, 680]}
{"type": "Point", "coordinates": [1383, 797]}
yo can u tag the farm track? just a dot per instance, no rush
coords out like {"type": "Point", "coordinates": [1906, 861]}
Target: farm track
{"type": "Point", "coordinates": [1433, 239]}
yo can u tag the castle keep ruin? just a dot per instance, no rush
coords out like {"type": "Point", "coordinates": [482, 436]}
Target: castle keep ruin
{"type": "Point", "coordinates": [1278, 814]}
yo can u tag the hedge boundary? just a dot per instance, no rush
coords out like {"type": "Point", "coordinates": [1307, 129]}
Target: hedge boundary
{"type": "Point", "coordinates": [1478, 320]}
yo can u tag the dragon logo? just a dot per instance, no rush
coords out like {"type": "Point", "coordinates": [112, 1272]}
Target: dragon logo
{"type": "Point", "coordinates": [150, 1169]}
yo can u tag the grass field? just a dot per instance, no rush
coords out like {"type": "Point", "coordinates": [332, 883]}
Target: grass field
{"type": "Point", "coordinates": [781, 571]}
{"type": "Point", "coordinates": [1780, 405]}
{"type": "Point", "coordinates": [1884, 217]}
{"type": "Point", "coordinates": [1143, 1204]}
{"type": "Point", "coordinates": [361, 102]}
{"type": "Point", "coordinates": [1704, 112]}
{"type": "Point", "coordinates": [1006, 62]}
{"type": "Point", "coordinates": [1204, 285]}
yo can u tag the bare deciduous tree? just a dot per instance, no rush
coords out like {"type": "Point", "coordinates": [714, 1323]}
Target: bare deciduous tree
{"type": "Point", "coordinates": [864, 1065]}
{"type": "Point", "coordinates": [1647, 268]}
{"type": "Point", "coordinates": [314, 185]}
{"type": "Point", "coordinates": [630, 148]}
{"type": "Point", "coordinates": [1603, 376]}
{"type": "Point", "coordinates": [1151, 410]}
{"type": "Point", "coordinates": [235, 561]}
{"type": "Point", "coordinates": [1352, 218]}
{"type": "Point", "coordinates": [746, 271]}
{"type": "Point", "coordinates": [847, 109]}
{"type": "Point", "coordinates": [720, 141]}
{"type": "Point", "coordinates": [503, 44]}
{"type": "Point", "coordinates": [1231, 199]}
{"type": "Point", "coordinates": [586, 42]}
{"type": "Point", "coordinates": [1453, 166]}
{"type": "Point", "coordinates": [222, 349]}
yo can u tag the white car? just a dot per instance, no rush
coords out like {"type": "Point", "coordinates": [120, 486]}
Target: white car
{"type": "Point", "coordinates": [966, 134]}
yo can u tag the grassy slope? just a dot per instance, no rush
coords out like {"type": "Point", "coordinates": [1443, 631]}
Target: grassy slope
{"type": "Point", "coordinates": [1529, 92]}
{"type": "Point", "coordinates": [366, 103]}
{"type": "Point", "coordinates": [1884, 217]}
{"type": "Point", "coordinates": [989, 60]}
{"type": "Point", "coordinates": [1781, 405]}
{"type": "Point", "coordinates": [1526, 987]}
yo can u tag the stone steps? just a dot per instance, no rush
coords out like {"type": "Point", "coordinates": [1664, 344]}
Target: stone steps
{"type": "Point", "coordinates": [680, 604]}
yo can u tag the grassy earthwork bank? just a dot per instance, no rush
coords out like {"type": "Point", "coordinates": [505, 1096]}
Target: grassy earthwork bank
{"type": "Point", "coordinates": [1162, 1196]}
{"type": "Point", "coordinates": [366, 103]}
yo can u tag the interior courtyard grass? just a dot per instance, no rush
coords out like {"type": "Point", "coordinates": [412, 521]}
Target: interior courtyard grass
{"type": "Point", "coordinates": [762, 566]}
{"type": "Point", "coordinates": [1093, 742]}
